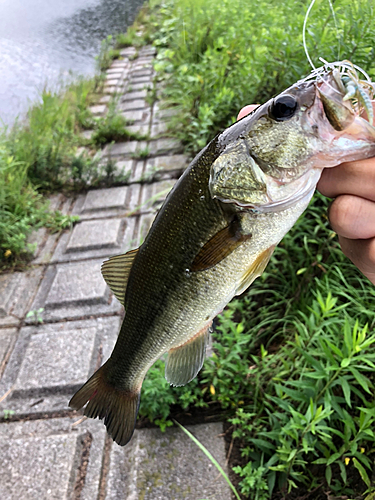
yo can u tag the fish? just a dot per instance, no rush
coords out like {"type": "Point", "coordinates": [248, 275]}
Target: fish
{"type": "Point", "coordinates": [215, 234]}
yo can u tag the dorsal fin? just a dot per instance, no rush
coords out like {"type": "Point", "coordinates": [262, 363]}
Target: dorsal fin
{"type": "Point", "coordinates": [116, 271]}
{"type": "Point", "coordinates": [184, 362]}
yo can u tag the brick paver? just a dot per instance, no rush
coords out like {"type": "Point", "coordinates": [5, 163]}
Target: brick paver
{"type": "Point", "coordinates": [47, 451]}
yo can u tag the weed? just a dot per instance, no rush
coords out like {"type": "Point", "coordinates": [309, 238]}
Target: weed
{"type": "Point", "coordinates": [8, 413]}
{"type": "Point", "coordinates": [22, 209]}
{"type": "Point", "coordinates": [47, 144]}
{"type": "Point", "coordinates": [110, 176]}
{"type": "Point", "coordinates": [151, 96]}
{"type": "Point", "coordinates": [36, 314]}
{"type": "Point", "coordinates": [128, 39]}
{"type": "Point", "coordinates": [210, 457]}
{"type": "Point", "coordinates": [134, 56]}
{"type": "Point", "coordinates": [107, 54]}
{"type": "Point", "coordinates": [112, 128]}
{"type": "Point", "coordinates": [142, 153]}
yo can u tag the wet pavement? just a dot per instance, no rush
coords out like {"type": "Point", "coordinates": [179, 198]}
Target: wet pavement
{"type": "Point", "coordinates": [59, 322]}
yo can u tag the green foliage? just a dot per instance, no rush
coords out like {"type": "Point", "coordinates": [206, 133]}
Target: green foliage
{"type": "Point", "coordinates": [139, 33]}
{"type": "Point", "coordinates": [218, 56]}
{"type": "Point", "coordinates": [41, 154]}
{"type": "Point", "coordinates": [158, 396]}
{"type": "Point", "coordinates": [46, 144]}
{"type": "Point", "coordinates": [8, 414]}
{"type": "Point", "coordinates": [142, 153]}
{"type": "Point", "coordinates": [107, 54]}
{"type": "Point", "coordinates": [36, 315]}
{"type": "Point", "coordinates": [112, 128]}
{"type": "Point", "coordinates": [130, 38]}
{"type": "Point", "coordinates": [293, 369]}
{"type": "Point", "coordinates": [22, 209]}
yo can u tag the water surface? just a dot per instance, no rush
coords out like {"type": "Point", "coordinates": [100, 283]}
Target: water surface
{"type": "Point", "coordinates": [43, 41]}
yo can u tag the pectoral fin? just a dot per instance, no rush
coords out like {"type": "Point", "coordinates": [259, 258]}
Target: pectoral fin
{"type": "Point", "coordinates": [255, 270]}
{"type": "Point", "coordinates": [219, 246]}
{"type": "Point", "coordinates": [116, 271]}
{"type": "Point", "coordinates": [184, 362]}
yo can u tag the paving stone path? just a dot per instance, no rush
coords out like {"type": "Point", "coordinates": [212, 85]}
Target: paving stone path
{"type": "Point", "coordinates": [47, 451]}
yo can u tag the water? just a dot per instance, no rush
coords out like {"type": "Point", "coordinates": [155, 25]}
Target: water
{"type": "Point", "coordinates": [43, 41]}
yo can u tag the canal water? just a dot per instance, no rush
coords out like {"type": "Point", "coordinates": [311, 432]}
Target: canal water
{"type": "Point", "coordinates": [44, 42]}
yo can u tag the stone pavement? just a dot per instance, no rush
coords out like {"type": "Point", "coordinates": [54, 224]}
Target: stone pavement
{"type": "Point", "coordinates": [59, 322]}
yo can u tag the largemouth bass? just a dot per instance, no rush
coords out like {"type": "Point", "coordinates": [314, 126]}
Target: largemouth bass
{"type": "Point", "coordinates": [216, 233]}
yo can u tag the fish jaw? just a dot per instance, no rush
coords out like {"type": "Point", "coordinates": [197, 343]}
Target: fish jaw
{"type": "Point", "coordinates": [343, 134]}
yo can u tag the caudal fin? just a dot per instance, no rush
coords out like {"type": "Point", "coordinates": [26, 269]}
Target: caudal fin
{"type": "Point", "coordinates": [118, 407]}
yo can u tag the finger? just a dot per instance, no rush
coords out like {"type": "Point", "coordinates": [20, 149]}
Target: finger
{"type": "Point", "coordinates": [353, 217]}
{"type": "Point", "coordinates": [362, 254]}
{"type": "Point", "coordinates": [246, 110]}
{"type": "Point", "coordinates": [356, 178]}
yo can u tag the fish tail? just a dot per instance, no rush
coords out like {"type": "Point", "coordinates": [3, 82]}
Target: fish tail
{"type": "Point", "coordinates": [118, 407]}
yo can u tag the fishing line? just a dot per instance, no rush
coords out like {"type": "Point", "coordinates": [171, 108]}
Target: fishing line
{"type": "Point", "coordinates": [304, 31]}
{"type": "Point", "coordinates": [336, 28]}
{"type": "Point", "coordinates": [304, 34]}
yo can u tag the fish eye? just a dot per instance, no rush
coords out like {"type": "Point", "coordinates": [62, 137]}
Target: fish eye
{"type": "Point", "coordinates": [283, 108]}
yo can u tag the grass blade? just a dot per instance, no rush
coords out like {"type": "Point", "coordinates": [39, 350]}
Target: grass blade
{"type": "Point", "coordinates": [210, 457]}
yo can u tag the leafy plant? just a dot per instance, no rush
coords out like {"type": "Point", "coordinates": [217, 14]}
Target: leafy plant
{"type": "Point", "coordinates": [107, 54]}
{"type": "Point", "coordinates": [142, 153]}
{"type": "Point", "coordinates": [36, 314]}
{"type": "Point", "coordinates": [8, 414]}
{"type": "Point", "coordinates": [215, 60]}
{"type": "Point", "coordinates": [112, 128]}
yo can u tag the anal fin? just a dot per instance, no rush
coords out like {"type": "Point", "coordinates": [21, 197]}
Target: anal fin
{"type": "Point", "coordinates": [184, 362]}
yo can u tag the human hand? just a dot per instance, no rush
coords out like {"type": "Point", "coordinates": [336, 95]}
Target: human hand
{"type": "Point", "coordinates": [352, 213]}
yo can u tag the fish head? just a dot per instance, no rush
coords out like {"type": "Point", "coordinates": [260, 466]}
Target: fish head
{"type": "Point", "coordinates": [274, 157]}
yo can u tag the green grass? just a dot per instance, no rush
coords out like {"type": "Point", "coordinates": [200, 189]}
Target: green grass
{"type": "Point", "coordinates": [47, 142]}
{"type": "Point", "coordinates": [22, 209]}
{"type": "Point", "coordinates": [218, 56]}
{"type": "Point", "coordinates": [107, 54]}
{"type": "Point", "coordinates": [113, 128]}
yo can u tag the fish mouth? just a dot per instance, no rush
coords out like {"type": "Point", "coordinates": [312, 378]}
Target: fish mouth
{"type": "Point", "coordinates": [341, 117]}
{"type": "Point", "coordinates": [343, 95]}
{"type": "Point", "coordinates": [339, 113]}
